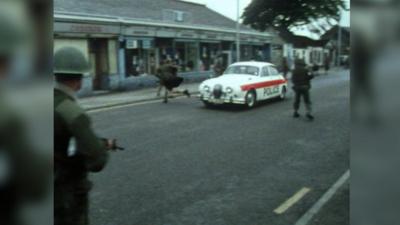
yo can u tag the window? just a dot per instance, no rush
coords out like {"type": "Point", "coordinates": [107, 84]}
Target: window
{"type": "Point", "coordinates": [178, 16]}
{"type": "Point", "coordinates": [240, 70]}
{"type": "Point", "coordinates": [265, 71]}
{"type": "Point", "coordinates": [274, 71]}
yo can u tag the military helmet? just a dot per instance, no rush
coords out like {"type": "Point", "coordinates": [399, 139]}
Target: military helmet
{"type": "Point", "coordinates": [70, 60]}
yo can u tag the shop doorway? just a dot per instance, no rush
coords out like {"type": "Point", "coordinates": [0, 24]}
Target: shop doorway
{"type": "Point", "coordinates": [227, 58]}
{"type": "Point", "coordinates": [98, 51]}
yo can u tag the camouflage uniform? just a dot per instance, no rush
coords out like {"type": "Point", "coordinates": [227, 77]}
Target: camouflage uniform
{"type": "Point", "coordinates": [301, 85]}
{"type": "Point", "coordinates": [77, 151]}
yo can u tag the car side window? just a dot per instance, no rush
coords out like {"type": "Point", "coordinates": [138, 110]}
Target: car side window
{"type": "Point", "coordinates": [273, 71]}
{"type": "Point", "coordinates": [265, 71]}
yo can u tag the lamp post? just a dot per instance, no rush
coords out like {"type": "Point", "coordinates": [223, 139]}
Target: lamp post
{"type": "Point", "coordinates": [238, 32]}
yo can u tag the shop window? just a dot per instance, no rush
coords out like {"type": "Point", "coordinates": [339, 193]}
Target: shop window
{"type": "Point", "coordinates": [209, 56]}
{"type": "Point", "coordinates": [186, 56]}
{"type": "Point", "coordinates": [140, 57]}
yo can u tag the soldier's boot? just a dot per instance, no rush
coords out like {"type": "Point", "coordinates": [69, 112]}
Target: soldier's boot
{"type": "Point", "coordinates": [309, 115]}
{"type": "Point", "coordinates": [166, 96]}
{"type": "Point", "coordinates": [296, 114]}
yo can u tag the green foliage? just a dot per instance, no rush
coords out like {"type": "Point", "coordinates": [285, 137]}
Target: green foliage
{"type": "Point", "coordinates": [284, 14]}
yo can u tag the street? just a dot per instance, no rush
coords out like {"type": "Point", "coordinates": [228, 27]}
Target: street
{"type": "Point", "coordinates": [188, 165]}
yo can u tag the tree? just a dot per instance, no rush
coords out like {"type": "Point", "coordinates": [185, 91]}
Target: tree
{"type": "Point", "coordinates": [282, 15]}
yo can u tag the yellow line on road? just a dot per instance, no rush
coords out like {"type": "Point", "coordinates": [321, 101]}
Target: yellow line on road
{"type": "Point", "coordinates": [292, 200]}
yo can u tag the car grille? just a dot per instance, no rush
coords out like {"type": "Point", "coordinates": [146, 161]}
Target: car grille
{"type": "Point", "coordinates": [217, 92]}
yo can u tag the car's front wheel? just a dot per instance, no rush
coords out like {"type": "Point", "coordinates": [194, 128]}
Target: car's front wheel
{"type": "Point", "coordinates": [251, 99]}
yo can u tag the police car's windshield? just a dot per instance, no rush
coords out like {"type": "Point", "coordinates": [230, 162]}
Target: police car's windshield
{"type": "Point", "coordinates": [240, 70]}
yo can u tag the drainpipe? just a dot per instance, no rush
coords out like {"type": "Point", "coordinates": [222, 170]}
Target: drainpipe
{"type": "Point", "coordinates": [238, 32]}
{"type": "Point", "coordinates": [121, 61]}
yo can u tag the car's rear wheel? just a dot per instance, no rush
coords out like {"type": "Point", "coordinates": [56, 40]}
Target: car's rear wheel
{"type": "Point", "coordinates": [251, 99]}
{"type": "Point", "coordinates": [283, 93]}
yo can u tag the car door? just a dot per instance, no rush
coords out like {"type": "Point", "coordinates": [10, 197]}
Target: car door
{"type": "Point", "coordinates": [264, 92]}
{"type": "Point", "coordinates": [278, 78]}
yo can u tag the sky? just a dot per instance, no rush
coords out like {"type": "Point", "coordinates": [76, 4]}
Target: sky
{"type": "Point", "coordinates": [228, 8]}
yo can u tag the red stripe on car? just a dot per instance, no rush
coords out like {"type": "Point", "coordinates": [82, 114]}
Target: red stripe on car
{"type": "Point", "coordinates": [265, 84]}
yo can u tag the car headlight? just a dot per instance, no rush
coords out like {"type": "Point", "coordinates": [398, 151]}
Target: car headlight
{"type": "Point", "coordinates": [229, 90]}
{"type": "Point", "coordinates": [206, 88]}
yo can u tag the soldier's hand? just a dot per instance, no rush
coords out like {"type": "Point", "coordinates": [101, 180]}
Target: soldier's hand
{"type": "Point", "coordinates": [111, 144]}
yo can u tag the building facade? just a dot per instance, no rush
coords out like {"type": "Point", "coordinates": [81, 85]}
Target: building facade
{"type": "Point", "coordinates": [125, 43]}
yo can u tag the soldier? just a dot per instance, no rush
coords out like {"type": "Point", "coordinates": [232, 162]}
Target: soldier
{"type": "Point", "coordinates": [301, 85]}
{"type": "Point", "coordinates": [168, 75]}
{"type": "Point", "coordinates": [77, 149]}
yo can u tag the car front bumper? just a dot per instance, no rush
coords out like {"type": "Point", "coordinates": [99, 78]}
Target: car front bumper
{"type": "Point", "coordinates": [223, 100]}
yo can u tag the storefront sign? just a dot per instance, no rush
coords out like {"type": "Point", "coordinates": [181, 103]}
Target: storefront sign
{"type": "Point", "coordinates": [187, 35]}
{"type": "Point", "coordinates": [85, 28]}
{"type": "Point", "coordinates": [147, 44]}
{"type": "Point", "coordinates": [210, 36]}
{"type": "Point", "coordinates": [228, 38]}
{"type": "Point", "coordinates": [132, 44]}
{"type": "Point", "coordinates": [166, 33]}
{"type": "Point", "coordinates": [143, 43]}
{"type": "Point", "coordinates": [140, 31]}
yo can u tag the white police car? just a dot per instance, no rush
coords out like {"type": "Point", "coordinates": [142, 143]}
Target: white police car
{"type": "Point", "coordinates": [244, 83]}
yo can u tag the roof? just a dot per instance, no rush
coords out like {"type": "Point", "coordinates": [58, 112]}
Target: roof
{"type": "Point", "coordinates": [150, 10]}
{"type": "Point", "coordinates": [253, 63]}
{"type": "Point", "coordinates": [332, 33]}
{"type": "Point", "coordinates": [299, 41]}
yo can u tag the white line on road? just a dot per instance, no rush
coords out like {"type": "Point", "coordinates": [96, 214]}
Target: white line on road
{"type": "Point", "coordinates": [306, 218]}
{"type": "Point", "coordinates": [132, 104]}
{"type": "Point", "coordinates": [122, 106]}
{"type": "Point", "coordinates": [292, 200]}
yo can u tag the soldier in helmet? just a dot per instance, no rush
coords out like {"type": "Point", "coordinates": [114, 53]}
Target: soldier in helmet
{"type": "Point", "coordinates": [301, 78]}
{"type": "Point", "coordinates": [77, 149]}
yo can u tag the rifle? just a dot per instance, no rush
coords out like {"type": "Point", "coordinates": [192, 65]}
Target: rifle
{"type": "Point", "coordinates": [114, 146]}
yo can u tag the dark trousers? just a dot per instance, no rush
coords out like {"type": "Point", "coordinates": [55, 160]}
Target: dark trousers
{"type": "Point", "coordinates": [302, 92]}
{"type": "Point", "coordinates": [71, 207]}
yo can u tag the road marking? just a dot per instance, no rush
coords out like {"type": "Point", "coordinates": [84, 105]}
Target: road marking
{"type": "Point", "coordinates": [122, 106]}
{"type": "Point", "coordinates": [292, 200]}
{"type": "Point", "coordinates": [306, 218]}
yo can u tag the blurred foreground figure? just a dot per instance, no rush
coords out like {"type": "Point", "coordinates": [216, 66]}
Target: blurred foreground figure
{"type": "Point", "coordinates": [23, 172]}
{"type": "Point", "coordinates": [77, 150]}
{"type": "Point", "coordinates": [301, 85]}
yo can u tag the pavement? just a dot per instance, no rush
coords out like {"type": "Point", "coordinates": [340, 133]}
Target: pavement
{"type": "Point", "coordinates": [185, 164]}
